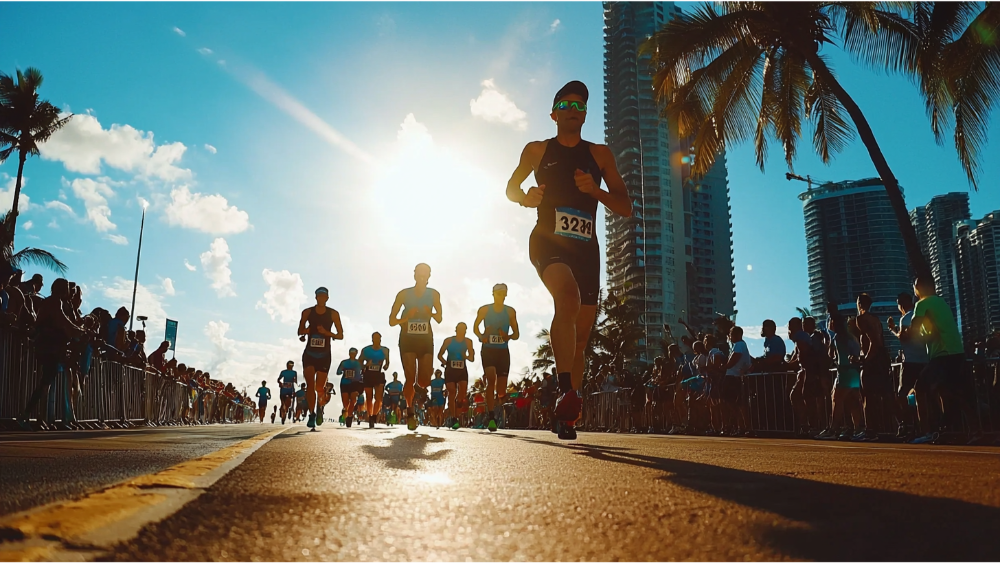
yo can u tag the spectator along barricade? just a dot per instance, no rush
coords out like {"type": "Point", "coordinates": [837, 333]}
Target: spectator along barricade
{"type": "Point", "coordinates": [88, 371]}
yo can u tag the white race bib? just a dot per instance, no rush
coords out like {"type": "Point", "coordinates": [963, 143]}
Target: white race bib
{"type": "Point", "coordinates": [317, 342]}
{"type": "Point", "coordinates": [457, 364]}
{"type": "Point", "coordinates": [418, 327]}
{"type": "Point", "coordinates": [574, 223]}
{"type": "Point", "coordinates": [496, 339]}
{"type": "Point", "coordinates": [375, 367]}
{"type": "Point", "coordinates": [349, 374]}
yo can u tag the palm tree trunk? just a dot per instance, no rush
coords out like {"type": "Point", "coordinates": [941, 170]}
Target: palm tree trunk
{"type": "Point", "coordinates": [22, 156]}
{"type": "Point", "coordinates": [910, 241]}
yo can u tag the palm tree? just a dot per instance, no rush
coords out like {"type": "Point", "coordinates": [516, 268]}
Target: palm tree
{"type": "Point", "coordinates": [617, 333]}
{"type": "Point", "coordinates": [734, 71]}
{"type": "Point", "coordinates": [544, 359]}
{"type": "Point", "coordinates": [805, 312]}
{"type": "Point", "coordinates": [16, 260]}
{"type": "Point", "coordinates": [957, 66]}
{"type": "Point", "coordinates": [25, 123]}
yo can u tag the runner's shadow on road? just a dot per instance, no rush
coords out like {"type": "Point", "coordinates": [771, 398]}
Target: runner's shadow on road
{"type": "Point", "coordinates": [844, 523]}
{"type": "Point", "coordinates": [403, 452]}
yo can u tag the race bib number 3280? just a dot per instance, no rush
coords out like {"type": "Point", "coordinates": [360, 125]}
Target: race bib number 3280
{"type": "Point", "coordinates": [418, 327]}
{"type": "Point", "coordinates": [574, 223]}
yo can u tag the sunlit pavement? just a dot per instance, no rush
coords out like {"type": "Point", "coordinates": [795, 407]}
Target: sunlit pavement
{"type": "Point", "coordinates": [387, 494]}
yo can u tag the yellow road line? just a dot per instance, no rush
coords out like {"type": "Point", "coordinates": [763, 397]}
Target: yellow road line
{"type": "Point", "coordinates": [92, 519]}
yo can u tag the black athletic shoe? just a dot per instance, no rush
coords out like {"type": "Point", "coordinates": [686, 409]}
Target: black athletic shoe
{"type": "Point", "coordinates": [371, 421]}
{"type": "Point", "coordinates": [349, 420]}
{"type": "Point", "coordinates": [567, 432]}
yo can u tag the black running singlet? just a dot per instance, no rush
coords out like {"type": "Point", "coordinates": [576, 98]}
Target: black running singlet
{"type": "Point", "coordinates": [316, 342]}
{"type": "Point", "coordinates": [565, 211]}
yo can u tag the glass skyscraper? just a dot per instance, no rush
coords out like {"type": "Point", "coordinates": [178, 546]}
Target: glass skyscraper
{"type": "Point", "coordinates": [673, 257]}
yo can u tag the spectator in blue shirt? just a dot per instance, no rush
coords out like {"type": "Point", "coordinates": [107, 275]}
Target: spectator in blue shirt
{"type": "Point", "coordinates": [774, 348]}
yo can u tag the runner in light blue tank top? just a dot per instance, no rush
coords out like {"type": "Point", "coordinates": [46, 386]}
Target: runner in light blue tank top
{"type": "Point", "coordinates": [435, 406]}
{"type": "Point", "coordinates": [376, 359]}
{"type": "Point", "coordinates": [499, 327]}
{"type": "Point", "coordinates": [419, 305]}
{"type": "Point", "coordinates": [349, 371]}
{"type": "Point", "coordinates": [456, 373]}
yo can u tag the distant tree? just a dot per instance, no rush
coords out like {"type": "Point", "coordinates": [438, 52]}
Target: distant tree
{"type": "Point", "coordinates": [544, 360]}
{"type": "Point", "coordinates": [18, 260]}
{"type": "Point", "coordinates": [25, 123]}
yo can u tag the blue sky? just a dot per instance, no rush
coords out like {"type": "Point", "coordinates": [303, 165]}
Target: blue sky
{"type": "Point", "coordinates": [286, 146]}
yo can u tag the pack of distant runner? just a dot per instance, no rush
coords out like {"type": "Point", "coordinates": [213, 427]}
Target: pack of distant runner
{"type": "Point", "coordinates": [563, 249]}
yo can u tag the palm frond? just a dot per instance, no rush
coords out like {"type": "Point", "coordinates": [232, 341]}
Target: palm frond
{"type": "Point", "coordinates": [37, 257]}
{"type": "Point", "coordinates": [831, 130]}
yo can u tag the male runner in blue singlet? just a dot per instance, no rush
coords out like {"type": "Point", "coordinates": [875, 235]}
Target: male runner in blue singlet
{"type": "Point", "coordinates": [349, 371]}
{"type": "Point", "coordinates": [456, 373]}
{"type": "Point", "coordinates": [286, 383]}
{"type": "Point", "coordinates": [419, 305]}
{"type": "Point", "coordinates": [435, 405]}
{"type": "Point", "coordinates": [499, 326]}
{"type": "Point", "coordinates": [375, 359]}
{"type": "Point", "coordinates": [563, 246]}
{"type": "Point", "coordinates": [394, 389]}
{"type": "Point", "coordinates": [301, 403]}
{"type": "Point", "coordinates": [263, 396]}
{"type": "Point", "coordinates": [314, 330]}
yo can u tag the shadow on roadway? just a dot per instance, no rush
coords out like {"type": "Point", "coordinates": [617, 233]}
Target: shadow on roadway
{"type": "Point", "coordinates": [404, 451]}
{"type": "Point", "coordinates": [845, 523]}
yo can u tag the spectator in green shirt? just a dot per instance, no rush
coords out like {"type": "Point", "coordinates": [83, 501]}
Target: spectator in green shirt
{"type": "Point", "coordinates": [945, 376]}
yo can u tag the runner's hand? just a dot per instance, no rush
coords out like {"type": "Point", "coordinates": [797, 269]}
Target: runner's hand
{"type": "Point", "coordinates": [534, 196]}
{"type": "Point", "coordinates": [892, 323]}
{"type": "Point", "coordinates": [585, 182]}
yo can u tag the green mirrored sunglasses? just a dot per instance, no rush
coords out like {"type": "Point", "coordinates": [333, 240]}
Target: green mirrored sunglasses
{"type": "Point", "coordinates": [565, 105]}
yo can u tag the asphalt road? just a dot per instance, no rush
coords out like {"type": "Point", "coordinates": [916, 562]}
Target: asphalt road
{"type": "Point", "coordinates": [386, 494]}
{"type": "Point", "coordinates": [42, 467]}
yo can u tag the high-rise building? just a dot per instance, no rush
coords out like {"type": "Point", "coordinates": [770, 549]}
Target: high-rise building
{"type": "Point", "coordinates": [854, 246]}
{"type": "Point", "coordinates": [673, 257]}
{"type": "Point", "coordinates": [935, 226]}
{"type": "Point", "coordinates": [977, 269]}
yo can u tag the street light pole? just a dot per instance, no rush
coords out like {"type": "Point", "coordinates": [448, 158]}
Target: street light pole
{"type": "Point", "coordinates": [138, 254]}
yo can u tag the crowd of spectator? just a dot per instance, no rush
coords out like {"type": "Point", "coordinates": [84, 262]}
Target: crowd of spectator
{"type": "Point", "coordinates": [67, 340]}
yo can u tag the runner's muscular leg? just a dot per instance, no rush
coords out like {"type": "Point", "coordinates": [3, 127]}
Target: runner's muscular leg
{"type": "Point", "coordinates": [558, 279]}
{"type": "Point", "coordinates": [410, 376]}
{"type": "Point", "coordinates": [379, 391]}
{"type": "Point", "coordinates": [584, 322]}
{"type": "Point", "coordinates": [320, 390]}
{"type": "Point", "coordinates": [310, 376]}
{"type": "Point", "coordinates": [425, 369]}
{"type": "Point", "coordinates": [490, 375]}
{"type": "Point", "coordinates": [452, 397]}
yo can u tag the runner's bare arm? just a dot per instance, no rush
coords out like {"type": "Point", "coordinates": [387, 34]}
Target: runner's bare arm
{"type": "Point", "coordinates": [480, 318]}
{"type": "Point", "coordinates": [340, 328]}
{"type": "Point", "coordinates": [437, 307]}
{"type": "Point", "coordinates": [515, 333]}
{"type": "Point", "coordinates": [616, 198]}
{"type": "Point", "coordinates": [396, 305]}
{"type": "Point", "coordinates": [470, 352]}
{"type": "Point", "coordinates": [302, 322]}
{"type": "Point", "coordinates": [444, 346]}
{"type": "Point", "coordinates": [529, 158]}
{"type": "Point", "coordinates": [386, 363]}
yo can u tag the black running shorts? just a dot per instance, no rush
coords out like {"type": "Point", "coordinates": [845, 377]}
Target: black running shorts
{"type": "Point", "coordinates": [419, 344]}
{"type": "Point", "coordinates": [498, 358]}
{"type": "Point", "coordinates": [320, 363]}
{"type": "Point", "coordinates": [452, 375]}
{"type": "Point", "coordinates": [583, 259]}
{"type": "Point", "coordinates": [374, 379]}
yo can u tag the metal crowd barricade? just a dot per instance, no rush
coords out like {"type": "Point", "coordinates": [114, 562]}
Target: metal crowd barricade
{"type": "Point", "coordinates": [111, 392]}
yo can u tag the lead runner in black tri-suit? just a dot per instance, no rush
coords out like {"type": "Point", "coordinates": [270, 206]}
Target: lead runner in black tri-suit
{"type": "Point", "coordinates": [314, 329]}
{"type": "Point", "coordinates": [563, 245]}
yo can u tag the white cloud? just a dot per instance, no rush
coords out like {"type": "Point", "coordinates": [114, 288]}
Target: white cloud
{"type": "Point", "coordinates": [7, 195]}
{"type": "Point", "coordinates": [27, 225]}
{"type": "Point", "coordinates": [215, 262]}
{"type": "Point", "coordinates": [554, 26]}
{"type": "Point", "coordinates": [82, 144]}
{"type": "Point", "coordinates": [58, 205]}
{"type": "Point", "coordinates": [279, 98]}
{"type": "Point", "coordinates": [94, 195]}
{"type": "Point", "coordinates": [168, 286]}
{"type": "Point", "coordinates": [495, 107]}
{"type": "Point", "coordinates": [205, 51]}
{"type": "Point", "coordinates": [119, 294]}
{"type": "Point", "coordinates": [284, 297]}
{"type": "Point", "coordinates": [207, 213]}
{"type": "Point", "coordinates": [117, 239]}
{"type": "Point", "coordinates": [210, 148]}
{"type": "Point", "coordinates": [189, 266]}
{"type": "Point", "coordinates": [749, 267]}
{"type": "Point", "coordinates": [179, 31]}
{"type": "Point", "coordinates": [53, 224]}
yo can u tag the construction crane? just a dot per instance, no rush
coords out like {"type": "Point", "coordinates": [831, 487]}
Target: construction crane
{"type": "Point", "coordinates": [808, 179]}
